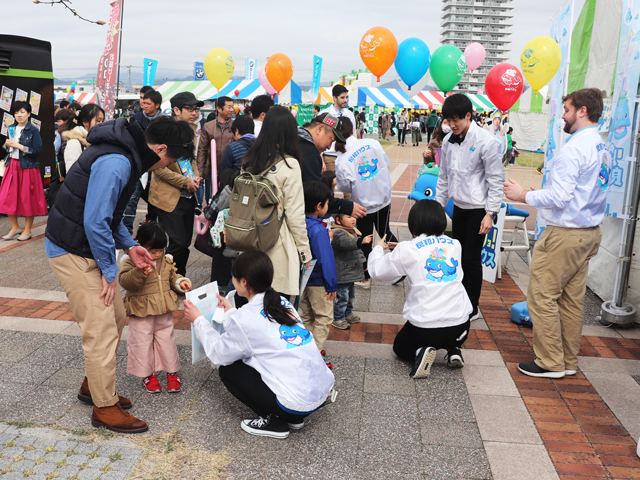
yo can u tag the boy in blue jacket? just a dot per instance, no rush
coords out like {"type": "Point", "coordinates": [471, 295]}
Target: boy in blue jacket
{"type": "Point", "coordinates": [317, 299]}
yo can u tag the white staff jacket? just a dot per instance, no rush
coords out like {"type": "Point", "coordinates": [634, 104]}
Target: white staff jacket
{"type": "Point", "coordinates": [286, 358]}
{"type": "Point", "coordinates": [471, 173]}
{"type": "Point", "coordinates": [437, 298]}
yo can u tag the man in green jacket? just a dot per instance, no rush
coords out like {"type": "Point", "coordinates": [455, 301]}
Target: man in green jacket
{"type": "Point", "coordinates": [432, 123]}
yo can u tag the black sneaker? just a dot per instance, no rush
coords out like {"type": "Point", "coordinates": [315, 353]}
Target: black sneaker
{"type": "Point", "coordinates": [424, 360]}
{"type": "Point", "coordinates": [533, 370]}
{"type": "Point", "coordinates": [271, 426]}
{"type": "Point", "coordinates": [398, 280]}
{"type": "Point", "coordinates": [454, 358]}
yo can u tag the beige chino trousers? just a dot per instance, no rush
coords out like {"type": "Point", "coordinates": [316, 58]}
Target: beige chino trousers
{"type": "Point", "coordinates": [101, 326]}
{"type": "Point", "coordinates": [556, 292]}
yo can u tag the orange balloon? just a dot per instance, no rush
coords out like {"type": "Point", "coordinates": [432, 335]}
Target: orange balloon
{"type": "Point", "coordinates": [236, 109]}
{"type": "Point", "coordinates": [278, 71]}
{"type": "Point", "coordinates": [378, 50]}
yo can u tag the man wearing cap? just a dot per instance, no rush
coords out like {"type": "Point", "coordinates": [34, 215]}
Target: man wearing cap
{"type": "Point", "coordinates": [173, 188]}
{"type": "Point", "coordinates": [315, 139]}
{"type": "Point", "coordinates": [499, 134]}
{"type": "Point", "coordinates": [337, 109]}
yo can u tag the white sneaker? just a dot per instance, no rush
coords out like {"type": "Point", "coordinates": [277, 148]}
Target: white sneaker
{"type": "Point", "coordinates": [570, 372]}
{"type": "Point", "coordinates": [366, 284]}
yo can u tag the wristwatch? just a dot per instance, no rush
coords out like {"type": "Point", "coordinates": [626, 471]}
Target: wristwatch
{"type": "Point", "coordinates": [494, 215]}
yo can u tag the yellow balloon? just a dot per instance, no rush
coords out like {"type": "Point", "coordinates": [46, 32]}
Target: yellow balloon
{"type": "Point", "coordinates": [219, 66]}
{"type": "Point", "coordinates": [540, 61]}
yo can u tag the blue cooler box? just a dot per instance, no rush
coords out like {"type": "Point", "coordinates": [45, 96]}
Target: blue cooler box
{"type": "Point", "coordinates": [520, 314]}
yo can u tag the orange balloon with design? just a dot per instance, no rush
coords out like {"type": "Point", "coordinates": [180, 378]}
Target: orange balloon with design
{"type": "Point", "coordinates": [279, 71]}
{"type": "Point", "coordinates": [378, 50]}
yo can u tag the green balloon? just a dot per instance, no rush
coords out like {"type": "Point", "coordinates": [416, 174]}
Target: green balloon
{"type": "Point", "coordinates": [447, 67]}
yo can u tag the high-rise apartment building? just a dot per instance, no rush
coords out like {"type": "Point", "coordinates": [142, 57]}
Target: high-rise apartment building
{"type": "Point", "coordinates": [488, 22]}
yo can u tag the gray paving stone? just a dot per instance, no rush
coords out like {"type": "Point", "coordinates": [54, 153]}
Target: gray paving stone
{"type": "Point", "coordinates": [123, 465]}
{"type": "Point", "coordinates": [391, 384]}
{"type": "Point", "coordinates": [5, 462]}
{"type": "Point", "coordinates": [396, 463]}
{"type": "Point", "coordinates": [24, 440]}
{"type": "Point", "coordinates": [86, 448]}
{"type": "Point", "coordinates": [6, 438]}
{"type": "Point", "coordinates": [130, 453]}
{"type": "Point", "coordinates": [13, 476]}
{"type": "Point", "coordinates": [34, 454]}
{"type": "Point", "coordinates": [12, 452]}
{"type": "Point", "coordinates": [89, 474]}
{"type": "Point", "coordinates": [55, 457]}
{"type": "Point", "coordinates": [37, 477]}
{"type": "Point", "coordinates": [382, 366]}
{"type": "Point", "coordinates": [389, 405]}
{"type": "Point", "coordinates": [65, 445]}
{"type": "Point", "coordinates": [106, 450]}
{"type": "Point", "coordinates": [445, 462]}
{"type": "Point", "coordinates": [42, 443]}
{"type": "Point", "coordinates": [392, 433]}
{"type": "Point", "coordinates": [461, 434]}
{"type": "Point", "coordinates": [114, 475]}
{"type": "Point", "coordinates": [66, 377]}
{"type": "Point", "coordinates": [67, 471]}
{"type": "Point", "coordinates": [23, 465]}
{"type": "Point", "coordinates": [99, 462]}
{"type": "Point", "coordinates": [77, 460]}
{"type": "Point", "coordinates": [45, 468]}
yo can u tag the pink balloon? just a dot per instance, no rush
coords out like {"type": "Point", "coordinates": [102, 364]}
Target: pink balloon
{"type": "Point", "coordinates": [294, 113]}
{"type": "Point", "coordinates": [265, 83]}
{"type": "Point", "coordinates": [474, 55]}
{"type": "Point", "coordinates": [241, 107]}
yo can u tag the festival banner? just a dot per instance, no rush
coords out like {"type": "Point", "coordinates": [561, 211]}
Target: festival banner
{"type": "Point", "coordinates": [150, 67]}
{"type": "Point", "coordinates": [108, 67]}
{"type": "Point", "coordinates": [317, 72]}
{"type": "Point", "coordinates": [251, 65]}
{"type": "Point", "coordinates": [198, 72]}
{"type": "Point", "coordinates": [623, 117]}
{"type": "Point", "coordinates": [561, 33]}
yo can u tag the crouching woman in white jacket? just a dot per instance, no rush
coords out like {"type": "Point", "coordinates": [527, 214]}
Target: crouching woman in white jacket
{"type": "Point", "coordinates": [269, 360]}
{"type": "Point", "coordinates": [437, 307]}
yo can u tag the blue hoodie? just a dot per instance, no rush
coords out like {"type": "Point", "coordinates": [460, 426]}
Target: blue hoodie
{"type": "Point", "coordinates": [324, 273]}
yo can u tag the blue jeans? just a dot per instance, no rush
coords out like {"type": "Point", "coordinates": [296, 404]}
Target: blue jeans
{"type": "Point", "coordinates": [131, 208]}
{"type": "Point", "coordinates": [346, 294]}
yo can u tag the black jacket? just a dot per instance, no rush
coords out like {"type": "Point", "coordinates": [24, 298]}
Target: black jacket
{"type": "Point", "coordinates": [65, 226]}
{"type": "Point", "coordinates": [312, 171]}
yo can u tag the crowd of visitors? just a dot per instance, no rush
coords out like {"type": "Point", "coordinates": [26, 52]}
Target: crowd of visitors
{"type": "Point", "coordinates": [272, 358]}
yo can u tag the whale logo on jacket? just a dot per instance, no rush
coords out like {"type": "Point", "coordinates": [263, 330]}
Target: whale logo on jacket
{"type": "Point", "coordinates": [367, 168]}
{"type": "Point", "coordinates": [440, 268]}
{"type": "Point", "coordinates": [295, 335]}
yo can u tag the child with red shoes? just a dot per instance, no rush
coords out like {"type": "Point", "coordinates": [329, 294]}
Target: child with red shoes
{"type": "Point", "coordinates": [150, 302]}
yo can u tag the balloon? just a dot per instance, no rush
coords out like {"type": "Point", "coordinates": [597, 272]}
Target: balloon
{"type": "Point", "coordinates": [294, 112]}
{"type": "Point", "coordinates": [378, 49]}
{"type": "Point", "coordinates": [241, 107]}
{"type": "Point", "coordinates": [540, 60]}
{"type": "Point", "coordinates": [412, 61]}
{"type": "Point", "coordinates": [71, 98]}
{"type": "Point", "coordinates": [236, 92]}
{"type": "Point", "coordinates": [447, 67]}
{"type": "Point", "coordinates": [68, 89]}
{"type": "Point", "coordinates": [236, 109]}
{"type": "Point", "coordinates": [279, 71]}
{"type": "Point", "coordinates": [474, 55]}
{"type": "Point", "coordinates": [504, 85]}
{"type": "Point", "coordinates": [219, 66]}
{"type": "Point", "coordinates": [265, 83]}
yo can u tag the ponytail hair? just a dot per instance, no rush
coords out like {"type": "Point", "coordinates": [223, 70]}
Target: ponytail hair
{"type": "Point", "coordinates": [256, 268]}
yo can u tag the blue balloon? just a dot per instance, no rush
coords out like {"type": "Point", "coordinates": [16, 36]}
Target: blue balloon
{"type": "Point", "coordinates": [412, 61]}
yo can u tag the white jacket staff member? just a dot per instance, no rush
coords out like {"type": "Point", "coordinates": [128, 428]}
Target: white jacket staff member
{"type": "Point", "coordinates": [270, 361]}
{"type": "Point", "coordinates": [471, 174]}
{"type": "Point", "coordinates": [572, 203]}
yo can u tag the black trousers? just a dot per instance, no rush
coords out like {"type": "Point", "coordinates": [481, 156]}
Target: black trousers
{"type": "Point", "coordinates": [410, 338]}
{"type": "Point", "coordinates": [179, 226]}
{"type": "Point", "coordinates": [429, 133]}
{"type": "Point", "coordinates": [401, 135]}
{"type": "Point", "coordinates": [379, 220]}
{"type": "Point", "coordinates": [466, 225]}
{"type": "Point", "coordinates": [246, 384]}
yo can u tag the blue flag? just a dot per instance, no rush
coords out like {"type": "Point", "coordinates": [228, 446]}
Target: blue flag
{"type": "Point", "coordinates": [198, 71]}
{"type": "Point", "coordinates": [315, 82]}
{"type": "Point", "coordinates": [150, 67]}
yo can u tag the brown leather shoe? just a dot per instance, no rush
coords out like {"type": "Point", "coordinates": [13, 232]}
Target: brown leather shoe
{"type": "Point", "coordinates": [116, 419]}
{"type": "Point", "coordinates": [84, 395]}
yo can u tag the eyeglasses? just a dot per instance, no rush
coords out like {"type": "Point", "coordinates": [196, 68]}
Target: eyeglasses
{"type": "Point", "coordinates": [191, 109]}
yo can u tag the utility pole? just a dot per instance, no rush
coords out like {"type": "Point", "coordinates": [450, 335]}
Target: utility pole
{"type": "Point", "coordinates": [119, 48]}
{"type": "Point", "coordinates": [130, 86]}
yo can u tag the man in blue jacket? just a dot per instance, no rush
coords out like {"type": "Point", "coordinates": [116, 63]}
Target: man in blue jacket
{"type": "Point", "coordinates": [242, 129]}
{"type": "Point", "coordinates": [317, 299]}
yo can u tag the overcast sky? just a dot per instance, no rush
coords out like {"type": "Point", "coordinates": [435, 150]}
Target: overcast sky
{"type": "Point", "coordinates": [177, 33]}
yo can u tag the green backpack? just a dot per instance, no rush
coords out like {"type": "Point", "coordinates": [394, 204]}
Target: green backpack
{"type": "Point", "coordinates": [253, 222]}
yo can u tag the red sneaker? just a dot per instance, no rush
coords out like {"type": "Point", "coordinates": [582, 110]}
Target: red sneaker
{"type": "Point", "coordinates": [152, 384]}
{"type": "Point", "coordinates": [173, 383]}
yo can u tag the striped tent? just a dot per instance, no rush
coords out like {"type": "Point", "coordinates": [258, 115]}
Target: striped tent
{"type": "Point", "coordinates": [248, 89]}
{"type": "Point", "coordinates": [324, 96]}
{"type": "Point", "coordinates": [530, 102]}
{"type": "Point", "coordinates": [481, 102]}
{"type": "Point", "coordinates": [384, 97]}
{"type": "Point", "coordinates": [431, 99]}
{"type": "Point", "coordinates": [82, 98]}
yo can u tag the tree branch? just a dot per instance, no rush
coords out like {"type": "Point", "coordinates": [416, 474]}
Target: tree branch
{"type": "Point", "coordinates": [66, 4]}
